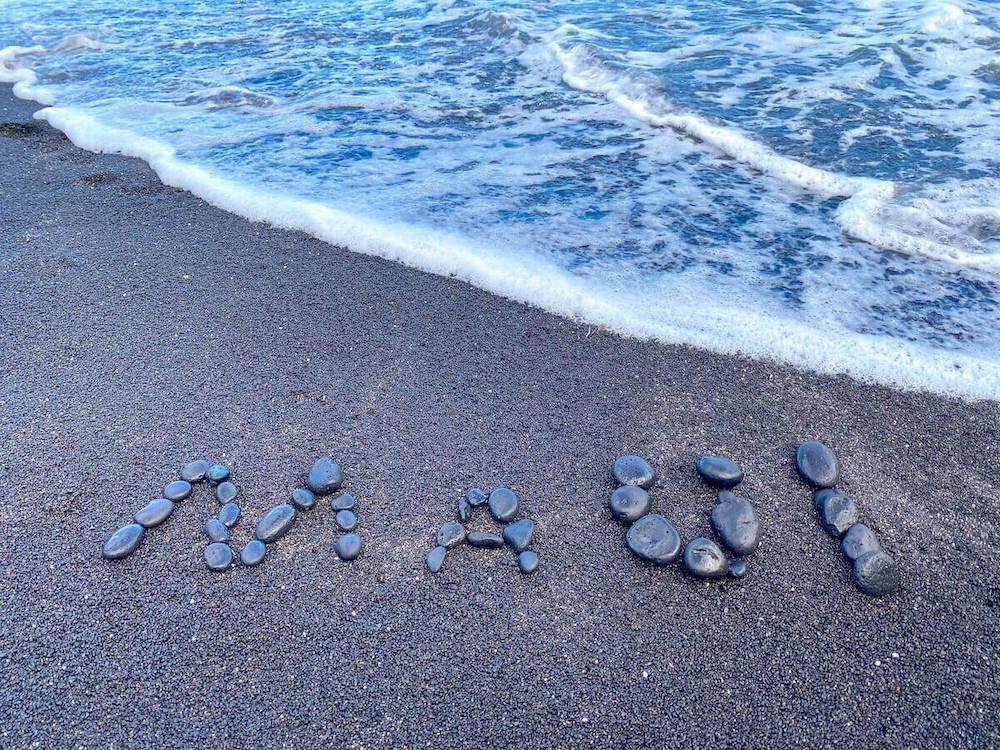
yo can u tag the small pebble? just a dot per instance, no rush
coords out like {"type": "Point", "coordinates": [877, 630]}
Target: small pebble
{"type": "Point", "coordinates": [346, 520]}
{"type": "Point", "coordinates": [451, 535]}
{"type": "Point", "coordinates": [704, 559]}
{"type": "Point", "coordinates": [123, 542]}
{"type": "Point", "coordinates": [633, 470]}
{"type": "Point", "coordinates": [518, 534]}
{"type": "Point", "coordinates": [859, 540]}
{"type": "Point", "coordinates": [737, 567]}
{"type": "Point", "coordinates": [629, 503]}
{"type": "Point", "coordinates": [225, 492]}
{"type": "Point", "coordinates": [217, 473]}
{"type": "Point", "coordinates": [484, 540]}
{"type": "Point", "coordinates": [343, 502]}
{"type": "Point", "coordinates": [177, 491]}
{"type": "Point", "coordinates": [303, 499]}
{"type": "Point", "coordinates": [436, 559]}
{"type": "Point", "coordinates": [253, 553]}
{"type": "Point", "coordinates": [325, 476]}
{"type": "Point", "coordinates": [216, 530]}
{"type": "Point", "coordinates": [348, 547]}
{"type": "Point", "coordinates": [503, 504]}
{"type": "Point", "coordinates": [817, 464]}
{"type": "Point", "coordinates": [837, 512]}
{"type": "Point", "coordinates": [476, 497]}
{"type": "Point", "coordinates": [527, 561]}
{"type": "Point", "coordinates": [218, 556]}
{"type": "Point", "coordinates": [229, 514]}
{"type": "Point", "coordinates": [464, 511]}
{"type": "Point", "coordinates": [195, 471]}
{"type": "Point", "coordinates": [876, 574]}
{"type": "Point", "coordinates": [720, 471]}
{"type": "Point", "coordinates": [154, 514]}
{"type": "Point", "coordinates": [275, 523]}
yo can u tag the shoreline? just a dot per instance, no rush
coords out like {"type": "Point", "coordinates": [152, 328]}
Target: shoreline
{"type": "Point", "coordinates": [144, 328]}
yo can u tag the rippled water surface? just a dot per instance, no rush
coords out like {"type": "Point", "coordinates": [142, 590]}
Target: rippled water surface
{"type": "Point", "coordinates": [817, 182]}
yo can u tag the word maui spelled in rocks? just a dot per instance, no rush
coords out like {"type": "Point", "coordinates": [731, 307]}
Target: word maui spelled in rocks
{"type": "Point", "coordinates": [123, 542]}
{"type": "Point", "coordinates": [654, 539]}
{"type": "Point", "coordinates": [633, 470]}
{"type": "Point", "coordinates": [155, 513]}
{"type": "Point", "coordinates": [817, 464]}
{"type": "Point", "coordinates": [720, 471]}
{"type": "Point", "coordinates": [704, 559]}
{"type": "Point", "coordinates": [325, 476]}
{"type": "Point", "coordinates": [629, 503]}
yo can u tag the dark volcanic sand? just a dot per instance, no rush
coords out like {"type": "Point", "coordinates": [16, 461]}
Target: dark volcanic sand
{"type": "Point", "coordinates": [142, 328]}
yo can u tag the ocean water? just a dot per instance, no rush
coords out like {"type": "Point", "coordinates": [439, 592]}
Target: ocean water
{"type": "Point", "coordinates": [811, 181]}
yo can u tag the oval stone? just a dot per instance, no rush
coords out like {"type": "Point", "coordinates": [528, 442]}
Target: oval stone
{"type": "Point", "coordinates": [858, 541]}
{"type": "Point", "coordinates": [325, 476]}
{"type": "Point", "coordinates": [503, 504]}
{"type": "Point", "coordinates": [217, 473]}
{"type": "Point", "coordinates": [476, 497]}
{"type": "Point", "coordinates": [195, 471]}
{"type": "Point", "coordinates": [303, 499]}
{"type": "Point", "coordinates": [817, 464]}
{"type": "Point", "coordinates": [737, 567]}
{"type": "Point", "coordinates": [218, 556]}
{"type": "Point", "coordinates": [629, 503]}
{"type": "Point", "coordinates": [123, 542]}
{"type": "Point", "coordinates": [229, 514]}
{"type": "Point", "coordinates": [875, 573]}
{"type": "Point", "coordinates": [435, 559]}
{"type": "Point", "coordinates": [216, 530]}
{"type": "Point", "coordinates": [451, 535]}
{"type": "Point", "coordinates": [720, 471]}
{"type": "Point", "coordinates": [653, 538]}
{"type": "Point", "coordinates": [348, 547]}
{"type": "Point", "coordinates": [464, 511]}
{"type": "Point", "coordinates": [704, 559]}
{"type": "Point", "coordinates": [837, 512]}
{"type": "Point", "coordinates": [343, 502]}
{"type": "Point", "coordinates": [735, 521]}
{"type": "Point", "coordinates": [633, 470]}
{"type": "Point", "coordinates": [275, 523]}
{"type": "Point", "coordinates": [177, 491]}
{"type": "Point", "coordinates": [527, 561]}
{"type": "Point", "coordinates": [154, 514]}
{"type": "Point", "coordinates": [225, 492]}
{"type": "Point", "coordinates": [346, 520]}
{"type": "Point", "coordinates": [518, 534]}
{"type": "Point", "coordinates": [484, 540]}
{"type": "Point", "coordinates": [253, 553]}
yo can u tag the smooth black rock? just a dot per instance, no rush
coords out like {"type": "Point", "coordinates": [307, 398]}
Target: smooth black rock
{"type": "Point", "coordinates": [276, 523]}
{"type": "Point", "coordinates": [720, 471]}
{"type": "Point", "coordinates": [436, 559]}
{"type": "Point", "coordinates": [229, 514]}
{"type": "Point", "coordinates": [451, 535]}
{"type": "Point", "coordinates": [216, 530]}
{"type": "Point", "coordinates": [735, 521]}
{"type": "Point", "coordinates": [177, 491]}
{"type": "Point", "coordinates": [633, 470]}
{"type": "Point", "coordinates": [195, 471]}
{"type": "Point", "coordinates": [876, 574]}
{"type": "Point", "coordinates": [346, 520]}
{"type": "Point", "coordinates": [629, 503]}
{"type": "Point", "coordinates": [476, 497]}
{"type": "Point", "coordinates": [303, 499]}
{"type": "Point", "coordinates": [484, 540]}
{"type": "Point", "coordinates": [464, 511]}
{"type": "Point", "coordinates": [817, 464]}
{"type": "Point", "coordinates": [325, 477]}
{"type": "Point", "coordinates": [503, 504]}
{"type": "Point", "coordinates": [837, 512]}
{"type": "Point", "coordinates": [218, 556]}
{"type": "Point", "coordinates": [217, 473]}
{"type": "Point", "coordinates": [154, 514]}
{"type": "Point", "coordinates": [348, 547]}
{"type": "Point", "coordinates": [226, 492]}
{"type": "Point", "coordinates": [343, 502]}
{"type": "Point", "coordinates": [703, 558]}
{"type": "Point", "coordinates": [737, 567]}
{"type": "Point", "coordinates": [518, 534]}
{"type": "Point", "coordinates": [858, 541]}
{"type": "Point", "coordinates": [123, 542]}
{"type": "Point", "coordinates": [653, 538]}
{"type": "Point", "coordinates": [527, 561]}
{"type": "Point", "coordinates": [253, 553]}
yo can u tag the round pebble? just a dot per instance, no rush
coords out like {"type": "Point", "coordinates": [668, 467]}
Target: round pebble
{"type": "Point", "coordinates": [229, 514]}
{"type": "Point", "coordinates": [518, 534]}
{"type": "Point", "coordinates": [348, 547]}
{"type": "Point", "coordinates": [275, 523]}
{"type": "Point", "coordinates": [325, 476]}
{"type": "Point", "coordinates": [195, 471]}
{"type": "Point", "coordinates": [218, 556]}
{"type": "Point", "coordinates": [720, 471]}
{"type": "Point", "coordinates": [177, 491]}
{"type": "Point", "coordinates": [527, 561]}
{"type": "Point", "coordinates": [704, 559]}
{"type": "Point", "coordinates": [216, 530]}
{"type": "Point", "coordinates": [303, 499]}
{"type": "Point", "coordinates": [817, 464]}
{"type": "Point", "coordinates": [629, 503]}
{"type": "Point", "coordinates": [451, 535]}
{"type": "Point", "coordinates": [476, 497]}
{"type": "Point", "coordinates": [225, 492]}
{"type": "Point", "coordinates": [436, 559]}
{"type": "Point", "coordinates": [858, 541]}
{"type": "Point", "coordinates": [217, 473]}
{"type": "Point", "coordinates": [633, 470]}
{"type": "Point", "coordinates": [346, 520]}
{"type": "Point", "coordinates": [837, 512]}
{"type": "Point", "coordinates": [154, 514]}
{"type": "Point", "coordinates": [464, 511]}
{"type": "Point", "coordinates": [735, 521]}
{"type": "Point", "coordinates": [343, 502]}
{"type": "Point", "coordinates": [484, 540]}
{"type": "Point", "coordinates": [875, 573]}
{"type": "Point", "coordinates": [737, 567]}
{"type": "Point", "coordinates": [253, 553]}
{"type": "Point", "coordinates": [123, 542]}
{"type": "Point", "coordinates": [503, 504]}
{"type": "Point", "coordinates": [653, 538]}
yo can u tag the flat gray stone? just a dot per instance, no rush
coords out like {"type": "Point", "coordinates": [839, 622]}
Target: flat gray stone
{"type": "Point", "coordinates": [275, 523]}
{"type": "Point", "coordinates": [229, 514]}
{"type": "Point", "coordinates": [527, 561]}
{"type": "Point", "coordinates": [633, 470]}
{"type": "Point", "coordinates": [343, 502]}
{"type": "Point", "coordinates": [703, 558]}
{"type": "Point", "coordinates": [435, 559]}
{"type": "Point", "coordinates": [653, 538]}
{"type": "Point", "coordinates": [464, 511]}
{"type": "Point", "coordinates": [346, 520]}
{"type": "Point", "coordinates": [177, 491]}
{"type": "Point", "coordinates": [817, 464]}
{"type": "Point", "coordinates": [225, 492]}
{"type": "Point", "coordinates": [735, 521]}
{"type": "Point", "coordinates": [253, 553]}
{"type": "Point", "coordinates": [195, 471]}
{"type": "Point", "coordinates": [450, 535]}
{"type": "Point", "coordinates": [217, 473]}
{"type": "Point", "coordinates": [218, 557]}
{"type": "Point", "coordinates": [484, 540]}
{"type": "Point", "coordinates": [518, 534]}
{"type": "Point", "coordinates": [503, 504]}
{"type": "Point", "coordinates": [303, 499]}
{"type": "Point", "coordinates": [123, 542]}
{"type": "Point", "coordinates": [858, 541]}
{"type": "Point", "coordinates": [720, 471]}
{"type": "Point", "coordinates": [876, 574]}
{"type": "Point", "coordinates": [216, 530]}
{"type": "Point", "coordinates": [154, 514]}
{"type": "Point", "coordinates": [325, 476]}
{"type": "Point", "coordinates": [348, 547]}
{"type": "Point", "coordinates": [837, 512]}
{"type": "Point", "coordinates": [476, 497]}
{"type": "Point", "coordinates": [629, 503]}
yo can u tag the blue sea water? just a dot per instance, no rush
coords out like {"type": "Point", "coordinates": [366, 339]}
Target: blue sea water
{"type": "Point", "coordinates": [813, 181]}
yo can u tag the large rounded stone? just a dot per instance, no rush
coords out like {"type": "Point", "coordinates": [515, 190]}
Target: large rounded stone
{"type": "Point", "coordinates": [837, 512]}
{"type": "Point", "coordinates": [476, 497]}
{"type": "Point", "coordinates": [527, 561]}
{"type": "Point", "coordinates": [346, 520]}
{"type": "Point", "coordinates": [348, 547]}
{"type": "Point", "coordinates": [735, 521]}
{"type": "Point", "coordinates": [275, 523]}
{"type": "Point", "coordinates": [154, 514]}
{"type": "Point", "coordinates": [633, 470]}
{"type": "Point", "coordinates": [225, 492]}
{"type": "Point", "coordinates": [325, 476]}
{"type": "Point", "coordinates": [216, 530]}
{"type": "Point", "coordinates": [450, 535]}
{"type": "Point", "coordinates": [720, 471]}
{"type": "Point", "coordinates": [653, 538]}
{"type": "Point", "coordinates": [876, 574]}
{"type": "Point", "coordinates": [123, 542]}
{"type": "Point", "coordinates": [218, 556]}
{"type": "Point", "coordinates": [704, 559]}
{"type": "Point", "coordinates": [253, 553]}
{"type": "Point", "coordinates": [303, 499]}
{"type": "Point", "coordinates": [503, 504]}
{"type": "Point", "coordinates": [483, 540]}
{"type": "Point", "coordinates": [177, 491]}
{"type": "Point", "coordinates": [217, 473]}
{"type": "Point", "coordinates": [817, 464]}
{"type": "Point", "coordinates": [629, 503]}
{"type": "Point", "coordinates": [436, 559]}
{"type": "Point", "coordinates": [518, 534]}
{"type": "Point", "coordinates": [343, 502]}
{"type": "Point", "coordinates": [229, 514]}
{"type": "Point", "coordinates": [859, 540]}
{"type": "Point", "coordinates": [195, 471]}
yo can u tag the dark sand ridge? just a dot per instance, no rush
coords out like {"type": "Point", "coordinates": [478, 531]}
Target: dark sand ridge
{"type": "Point", "coordinates": [142, 328]}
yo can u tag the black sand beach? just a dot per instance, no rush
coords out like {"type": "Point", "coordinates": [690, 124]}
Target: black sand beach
{"type": "Point", "coordinates": [142, 328]}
